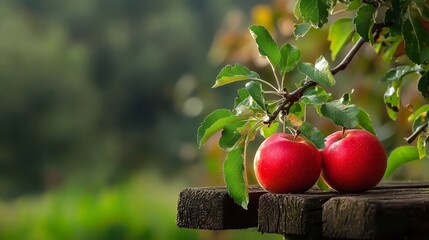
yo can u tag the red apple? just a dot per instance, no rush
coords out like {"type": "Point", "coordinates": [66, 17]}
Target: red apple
{"type": "Point", "coordinates": [287, 165]}
{"type": "Point", "coordinates": [355, 162]}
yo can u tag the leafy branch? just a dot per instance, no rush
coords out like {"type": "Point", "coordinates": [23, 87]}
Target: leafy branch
{"type": "Point", "coordinates": [291, 98]}
{"type": "Point", "coordinates": [295, 96]}
{"type": "Point", "coordinates": [253, 113]}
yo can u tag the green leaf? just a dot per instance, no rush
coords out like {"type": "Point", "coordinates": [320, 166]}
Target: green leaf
{"type": "Point", "coordinates": [214, 122]}
{"type": "Point", "coordinates": [400, 156]}
{"type": "Point", "coordinates": [355, 37]}
{"type": "Point", "coordinates": [296, 10]}
{"type": "Point", "coordinates": [315, 96]}
{"type": "Point", "coordinates": [313, 134]}
{"type": "Point", "coordinates": [422, 119]}
{"type": "Point", "coordinates": [314, 11]}
{"type": "Point", "coordinates": [346, 98]}
{"type": "Point", "coordinates": [377, 45]}
{"type": "Point", "coordinates": [266, 45]}
{"type": "Point", "coordinates": [230, 136]}
{"type": "Point", "coordinates": [364, 21]}
{"type": "Point", "coordinates": [243, 94]}
{"type": "Point", "coordinates": [323, 66]}
{"type": "Point", "coordinates": [423, 8]}
{"type": "Point", "coordinates": [392, 99]}
{"type": "Point", "coordinates": [233, 172]}
{"type": "Point", "coordinates": [341, 114]}
{"type": "Point", "coordinates": [290, 56]}
{"type": "Point", "coordinates": [422, 110]}
{"type": "Point", "coordinates": [301, 29]}
{"type": "Point", "coordinates": [306, 130]}
{"type": "Point", "coordinates": [353, 5]}
{"type": "Point", "coordinates": [398, 73]}
{"type": "Point", "coordinates": [423, 85]}
{"type": "Point", "coordinates": [210, 120]}
{"type": "Point", "coordinates": [244, 105]}
{"type": "Point", "coordinates": [322, 185]}
{"type": "Point", "coordinates": [250, 129]}
{"type": "Point", "coordinates": [416, 41]}
{"type": "Point", "coordinates": [230, 74]}
{"type": "Point", "coordinates": [319, 73]}
{"type": "Point", "coordinates": [421, 146]}
{"type": "Point", "coordinates": [391, 48]}
{"type": "Point", "coordinates": [340, 33]}
{"type": "Point", "coordinates": [394, 16]}
{"type": "Point", "coordinates": [297, 109]}
{"type": "Point", "coordinates": [247, 127]}
{"type": "Point", "coordinates": [255, 91]}
{"type": "Point", "coordinates": [267, 131]}
{"type": "Point", "coordinates": [365, 121]}
{"type": "Point", "coordinates": [271, 105]}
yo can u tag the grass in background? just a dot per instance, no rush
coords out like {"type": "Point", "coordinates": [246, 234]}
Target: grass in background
{"type": "Point", "coordinates": [142, 208]}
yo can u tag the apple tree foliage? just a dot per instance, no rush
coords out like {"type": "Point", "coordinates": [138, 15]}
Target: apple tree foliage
{"type": "Point", "coordinates": [265, 106]}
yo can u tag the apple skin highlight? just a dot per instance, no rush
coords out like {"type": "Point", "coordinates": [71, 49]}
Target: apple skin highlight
{"type": "Point", "coordinates": [287, 165]}
{"type": "Point", "coordinates": [353, 163]}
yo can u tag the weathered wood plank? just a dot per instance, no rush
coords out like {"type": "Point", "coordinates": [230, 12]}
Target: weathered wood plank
{"type": "Point", "coordinates": [293, 215]}
{"type": "Point", "coordinates": [402, 184]}
{"type": "Point", "coordinates": [315, 214]}
{"type": "Point", "coordinates": [212, 208]}
{"type": "Point", "coordinates": [296, 215]}
{"type": "Point", "coordinates": [383, 214]}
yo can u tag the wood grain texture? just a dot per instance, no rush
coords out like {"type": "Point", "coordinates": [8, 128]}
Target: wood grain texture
{"type": "Point", "coordinates": [292, 214]}
{"type": "Point", "coordinates": [213, 209]}
{"type": "Point", "coordinates": [378, 214]}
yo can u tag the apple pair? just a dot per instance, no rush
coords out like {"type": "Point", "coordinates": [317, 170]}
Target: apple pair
{"type": "Point", "coordinates": [353, 161]}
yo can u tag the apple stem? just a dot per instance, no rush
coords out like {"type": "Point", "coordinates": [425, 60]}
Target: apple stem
{"type": "Point", "coordinates": [344, 132]}
{"type": "Point", "coordinates": [305, 112]}
{"type": "Point", "coordinates": [296, 135]}
{"type": "Point", "coordinates": [284, 123]}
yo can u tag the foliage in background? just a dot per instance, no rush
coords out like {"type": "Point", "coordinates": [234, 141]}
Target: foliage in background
{"type": "Point", "coordinates": [77, 83]}
{"type": "Point", "coordinates": [121, 211]}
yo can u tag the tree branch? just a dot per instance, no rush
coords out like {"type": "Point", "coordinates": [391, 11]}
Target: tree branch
{"type": "Point", "coordinates": [290, 98]}
{"type": "Point", "coordinates": [348, 58]}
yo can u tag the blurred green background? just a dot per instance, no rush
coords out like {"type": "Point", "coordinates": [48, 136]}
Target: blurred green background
{"type": "Point", "coordinates": [100, 102]}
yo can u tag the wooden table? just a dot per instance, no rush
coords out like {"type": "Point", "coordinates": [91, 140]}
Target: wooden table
{"type": "Point", "coordinates": [395, 210]}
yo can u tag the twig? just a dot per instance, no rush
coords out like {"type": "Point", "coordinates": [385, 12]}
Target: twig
{"type": "Point", "coordinates": [279, 86]}
{"type": "Point", "coordinates": [274, 93]}
{"type": "Point", "coordinates": [416, 133]}
{"type": "Point", "coordinates": [348, 58]}
{"type": "Point", "coordinates": [263, 81]}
